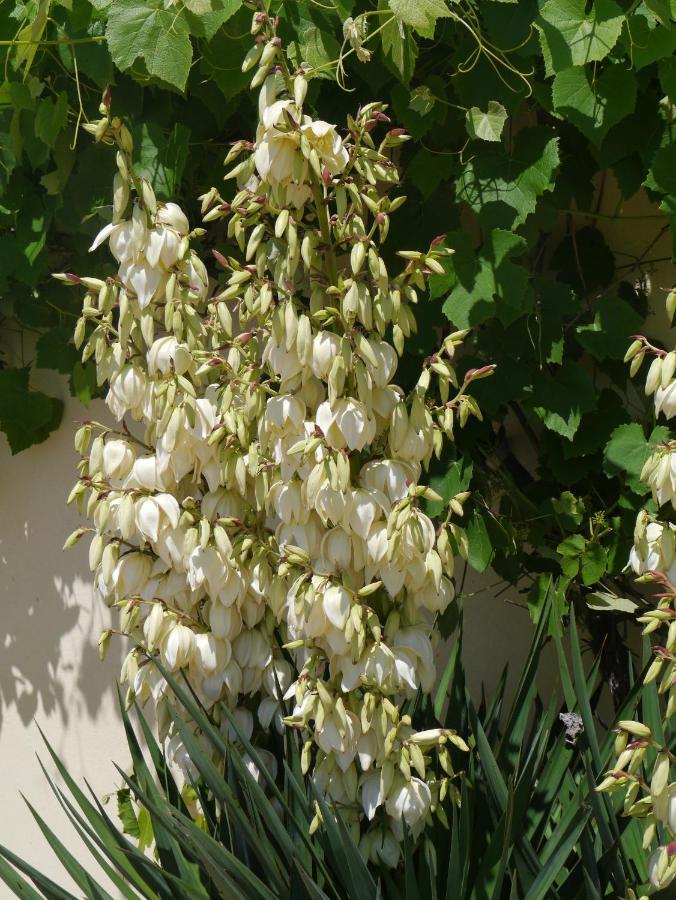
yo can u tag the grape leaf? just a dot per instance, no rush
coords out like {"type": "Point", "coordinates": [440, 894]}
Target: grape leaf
{"type": "Point", "coordinates": [568, 510]}
{"type": "Point", "coordinates": [29, 37]}
{"type": "Point", "coordinates": [556, 303]}
{"type": "Point", "coordinates": [205, 17]}
{"type": "Point", "coordinates": [83, 382]}
{"type": "Point", "coordinates": [571, 546]}
{"type": "Point", "coordinates": [594, 107]}
{"type": "Point", "coordinates": [480, 548]}
{"type": "Point", "coordinates": [456, 479]}
{"type": "Point", "coordinates": [668, 207]}
{"type": "Point", "coordinates": [662, 174]}
{"type": "Point", "coordinates": [162, 157]}
{"type": "Point", "coordinates": [427, 170]}
{"type": "Point", "coordinates": [198, 7]}
{"type": "Point", "coordinates": [608, 335]}
{"type": "Point", "coordinates": [486, 126]}
{"type": "Point", "coordinates": [560, 400]}
{"type": "Point", "coordinates": [126, 813]}
{"type": "Point", "coordinates": [662, 10]}
{"type": "Point", "coordinates": [511, 384]}
{"type": "Point", "coordinates": [50, 117]}
{"type": "Point", "coordinates": [27, 417]}
{"type": "Point", "coordinates": [627, 451]}
{"type": "Point", "coordinates": [64, 159]}
{"type": "Point", "coordinates": [667, 73]}
{"type": "Point", "coordinates": [315, 47]}
{"type": "Point", "coordinates": [417, 122]}
{"type": "Point", "coordinates": [596, 426]}
{"type": "Point", "coordinates": [571, 36]}
{"type": "Point", "coordinates": [400, 49]}
{"type": "Point", "coordinates": [489, 284]}
{"type": "Point", "coordinates": [584, 260]}
{"type": "Point", "coordinates": [594, 563]}
{"type": "Point", "coordinates": [422, 100]}
{"type": "Point", "coordinates": [229, 80]}
{"type": "Point", "coordinates": [55, 350]}
{"type": "Point", "coordinates": [646, 41]}
{"type": "Point", "coordinates": [158, 36]}
{"type": "Point", "coordinates": [421, 15]}
{"type": "Point", "coordinates": [601, 601]}
{"type": "Point", "coordinates": [503, 190]}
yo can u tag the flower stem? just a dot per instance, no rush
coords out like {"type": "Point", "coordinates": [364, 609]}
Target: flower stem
{"type": "Point", "coordinates": [323, 216]}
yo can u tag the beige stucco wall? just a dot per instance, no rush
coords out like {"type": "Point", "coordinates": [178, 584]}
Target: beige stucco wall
{"type": "Point", "coordinates": [50, 672]}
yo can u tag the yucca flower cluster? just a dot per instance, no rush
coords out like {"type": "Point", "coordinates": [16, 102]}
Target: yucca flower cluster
{"type": "Point", "coordinates": [257, 510]}
{"type": "Point", "coordinates": [644, 769]}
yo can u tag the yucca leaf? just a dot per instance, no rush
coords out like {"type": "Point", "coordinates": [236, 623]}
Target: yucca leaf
{"type": "Point", "coordinates": [428, 866]}
{"type": "Point", "coordinates": [410, 875]}
{"type": "Point", "coordinates": [213, 735]}
{"type": "Point", "coordinates": [488, 883]}
{"type": "Point", "coordinates": [264, 852]}
{"type": "Point", "coordinates": [20, 887]}
{"type": "Point", "coordinates": [113, 875]}
{"type": "Point", "coordinates": [76, 870]}
{"type": "Point", "coordinates": [603, 811]}
{"type": "Point", "coordinates": [231, 875]}
{"type": "Point", "coordinates": [313, 890]}
{"type": "Point", "coordinates": [492, 718]}
{"type": "Point", "coordinates": [217, 739]}
{"type": "Point", "coordinates": [221, 866]}
{"type": "Point", "coordinates": [162, 770]}
{"type": "Point", "coordinates": [347, 864]}
{"type": "Point", "coordinates": [169, 852]}
{"type": "Point", "coordinates": [525, 856]}
{"type": "Point", "coordinates": [582, 694]}
{"type": "Point", "coordinates": [120, 851]}
{"type": "Point", "coordinates": [451, 664]}
{"type": "Point", "coordinates": [521, 706]}
{"type": "Point", "coordinates": [260, 803]}
{"type": "Point", "coordinates": [592, 885]}
{"type": "Point", "coordinates": [650, 706]}
{"type": "Point", "coordinates": [186, 697]}
{"type": "Point", "coordinates": [540, 889]}
{"type": "Point", "coordinates": [454, 875]}
{"type": "Point", "coordinates": [456, 710]}
{"type": "Point", "coordinates": [119, 875]}
{"type": "Point", "coordinates": [170, 884]}
{"type": "Point", "coordinates": [548, 790]}
{"type": "Point", "coordinates": [534, 755]}
{"type": "Point", "coordinates": [297, 799]}
{"type": "Point", "coordinates": [489, 764]}
{"type": "Point", "coordinates": [563, 826]}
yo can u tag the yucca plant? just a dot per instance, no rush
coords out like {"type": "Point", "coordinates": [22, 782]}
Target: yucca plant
{"type": "Point", "coordinates": [529, 825]}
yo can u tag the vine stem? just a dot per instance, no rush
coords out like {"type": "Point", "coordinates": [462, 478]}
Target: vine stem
{"type": "Point", "coordinates": [612, 218]}
{"type": "Point", "coordinates": [88, 40]}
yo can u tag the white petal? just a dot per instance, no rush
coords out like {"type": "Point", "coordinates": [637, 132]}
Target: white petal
{"type": "Point", "coordinates": [154, 246]}
{"type": "Point", "coordinates": [337, 606]}
{"type": "Point", "coordinates": [325, 416]}
{"type": "Point", "coordinates": [148, 518]}
{"type": "Point", "coordinates": [170, 508]}
{"type": "Point", "coordinates": [103, 235]}
{"type": "Point", "coordinates": [371, 795]}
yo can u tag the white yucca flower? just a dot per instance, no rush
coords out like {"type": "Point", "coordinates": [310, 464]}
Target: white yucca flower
{"type": "Point", "coordinates": [261, 485]}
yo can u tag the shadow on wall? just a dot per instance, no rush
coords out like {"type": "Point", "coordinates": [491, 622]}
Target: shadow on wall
{"type": "Point", "coordinates": [50, 623]}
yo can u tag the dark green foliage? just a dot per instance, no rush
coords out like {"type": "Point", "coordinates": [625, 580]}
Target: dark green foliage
{"type": "Point", "coordinates": [571, 90]}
